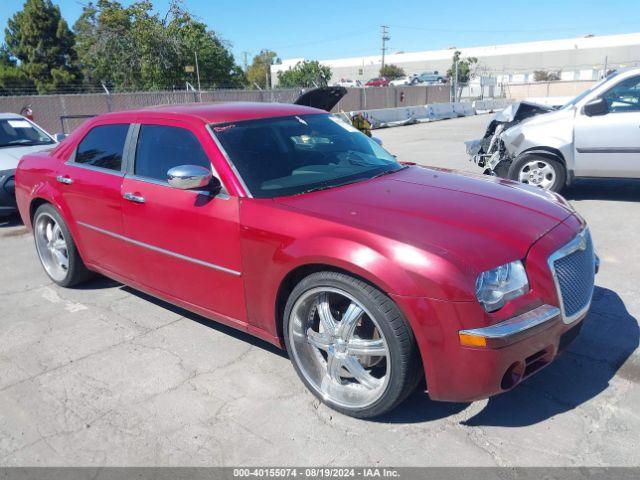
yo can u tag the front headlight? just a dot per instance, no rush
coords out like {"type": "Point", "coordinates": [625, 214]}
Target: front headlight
{"type": "Point", "coordinates": [497, 286]}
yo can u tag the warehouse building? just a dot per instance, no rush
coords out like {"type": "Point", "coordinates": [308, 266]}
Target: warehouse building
{"type": "Point", "coordinates": [583, 58]}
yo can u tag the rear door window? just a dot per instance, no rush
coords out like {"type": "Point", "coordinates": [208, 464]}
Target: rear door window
{"type": "Point", "coordinates": [103, 147]}
{"type": "Point", "coordinates": [161, 147]}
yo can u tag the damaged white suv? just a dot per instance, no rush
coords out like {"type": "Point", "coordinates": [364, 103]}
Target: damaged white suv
{"type": "Point", "coordinates": [596, 134]}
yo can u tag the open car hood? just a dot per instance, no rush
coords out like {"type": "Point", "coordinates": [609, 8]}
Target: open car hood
{"type": "Point", "coordinates": [324, 98]}
{"type": "Point", "coordinates": [518, 111]}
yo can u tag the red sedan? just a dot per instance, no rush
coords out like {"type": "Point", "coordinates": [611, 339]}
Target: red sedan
{"type": "Point", "coordinates": [377, 82]}
{"type": "Point", "coordinates": [285, 222]}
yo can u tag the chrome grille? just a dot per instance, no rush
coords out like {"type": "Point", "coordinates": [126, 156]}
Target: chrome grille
{"type": "Point", "coordinates": [573, 268]}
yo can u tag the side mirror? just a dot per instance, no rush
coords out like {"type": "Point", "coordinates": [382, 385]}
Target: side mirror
{"type": "Point", "coordinates": [188, 177]}
{"type": "Point", "coordinates": [377, 140]}
{"type": "Point", "coordinates": [58, 137]}
{"type": "Point", "coordinates": [599, 106]}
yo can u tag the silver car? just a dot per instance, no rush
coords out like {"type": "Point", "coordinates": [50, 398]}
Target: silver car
{"type": "Point", "coordinates": [18, 136]}
{"type": "Point", "coordinates": [596, 134]}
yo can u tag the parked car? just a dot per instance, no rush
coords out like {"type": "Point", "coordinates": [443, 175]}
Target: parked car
{"type": "Point", "coordinates": [18, 136]}
{"type": "Point", "coordinates": [291, 225]}
{"type": "Point", "coordinates": [348, 83]}
{"type": "Point", "coordinates": [596, 134]}
{"type": "Point", "coordinates": [428, 78]}
{"type": "Point", "coordinates": [403, 81]}
{"type": "Point", "coordinates": [377, 82]}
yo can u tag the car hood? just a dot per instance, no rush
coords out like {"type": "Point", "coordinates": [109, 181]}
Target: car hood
{"type": "Point", "coordinates": [10, 156]}
{"type": "Point", "coordinates": [479, 220]}
{"type": "Point", "coordinates": [324, 98]}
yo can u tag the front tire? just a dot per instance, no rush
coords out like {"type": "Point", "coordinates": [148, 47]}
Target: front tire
{"type": "Point", "coordinates": [538, 170]}
{"type": "Point", "coordinates": [56, 249]}
{"type": "Point", "coordinates": [350, 344]}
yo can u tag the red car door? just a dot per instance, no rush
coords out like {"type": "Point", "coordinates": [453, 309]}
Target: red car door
{"type": "Point", "coordinates": [90, 183]}
{"type": "Point", "coordinates": [186, 244]}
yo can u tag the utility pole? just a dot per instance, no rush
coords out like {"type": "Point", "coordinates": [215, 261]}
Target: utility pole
{"type": "Point", "coordinates": [455, 80]}
{"type": "Point", "coordinates": [198, 75]}
{"type": "Point", "coordinates": [245, 54]}
{"type": "Point", "coordinates": [606, 61]}
{"type": "Point", "coordinates": [385, 39]}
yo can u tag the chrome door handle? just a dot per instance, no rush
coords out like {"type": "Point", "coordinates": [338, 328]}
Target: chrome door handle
{"type": "Point", "coordinates": [132, 197]}
{"type": "Point", "coordinates": [64, 179]}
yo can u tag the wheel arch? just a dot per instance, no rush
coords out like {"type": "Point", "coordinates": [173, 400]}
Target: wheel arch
{"type": "Point", "coordinates": [549, 152]}
{"type": "Point", "coordinates": [43, 195]}
{"type": "Point", "coordinates": [294, 276]}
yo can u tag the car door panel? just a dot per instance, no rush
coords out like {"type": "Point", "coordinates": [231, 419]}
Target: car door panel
{"type": "Point", "coordinates": [185, 243]}
{"type": "Point", "coordinates": [93, 194]}
{"type": "Point", "coordinates": [609, 145]}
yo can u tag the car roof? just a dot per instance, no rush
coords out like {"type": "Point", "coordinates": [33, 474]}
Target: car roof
{"type": "Point", "coordinates": [9, 115]}
{"type": "Point", "coordinates": [217, 112]}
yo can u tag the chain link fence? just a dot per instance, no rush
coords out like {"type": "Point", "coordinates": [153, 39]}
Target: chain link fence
{"type": "Point", "coordinates": [63, 113]}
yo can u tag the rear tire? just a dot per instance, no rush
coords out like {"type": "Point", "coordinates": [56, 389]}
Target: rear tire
{"type": "Point", "coordinates": [56, 249]}
{"type": "Point", "coordinates": [539, 170]}
{"type": "Point", "coordinates": [350, 344]}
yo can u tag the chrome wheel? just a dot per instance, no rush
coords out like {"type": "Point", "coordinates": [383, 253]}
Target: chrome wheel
{"type": "Point", "coordinates": [538, 173]}
{"type": "Point", "coordinates": [339, 347]}
{"type": "Point", "coordinates": [52, 246]}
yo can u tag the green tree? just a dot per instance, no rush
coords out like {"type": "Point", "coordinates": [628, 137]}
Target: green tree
{"type": "Point", "coordinates": [466, 68]}
{"type": "Point", "coordinates": [305, 74]}
{"type": "Point", "coordinates": [259, 72]}
{"type": "Point", "coordinates": [543, 76]}
{"type": "Point", "coordinates": [391, 72]}
{"type": "Point", "coordinates": [39, 38]}
{"type": "Point", "coordinates": [13, 80]}
{"type": "Point", "coordinates": [133, 48]}
{"type": "Point", "coordinates": [216, 62]}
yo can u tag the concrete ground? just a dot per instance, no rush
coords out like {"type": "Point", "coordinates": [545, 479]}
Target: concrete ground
{"type": "Point", "coordinates": [105, 375]}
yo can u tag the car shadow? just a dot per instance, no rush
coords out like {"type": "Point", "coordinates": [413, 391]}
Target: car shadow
{"type": "Point", "coordinates": [10, 221]}
{"type": "Point", "coordinates": [608, 338]}
{"type": "Point", "coordinates": [100, 282]}
{"type": "Point", "coordinates": [212, 324]}
{"type": "Point", "coordinates": [621, 190]}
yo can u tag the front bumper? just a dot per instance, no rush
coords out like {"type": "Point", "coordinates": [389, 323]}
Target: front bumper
{"type": "Point", "coordinates": [7, 192]}
{"type": "Point", "coordinates": [515, 350]}
{"type": "Point", "coordinates": [511, 330]}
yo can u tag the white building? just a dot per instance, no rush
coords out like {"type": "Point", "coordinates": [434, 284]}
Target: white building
{"type": "Point", "coordinates": [581, 58]}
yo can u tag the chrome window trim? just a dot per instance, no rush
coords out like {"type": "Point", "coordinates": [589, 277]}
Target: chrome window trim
{"type": "Point", "coordinates": [517, 325]}
{"type": "Point", "coordinates": [229, 162]}
{"type": "Point", "coordinates": [72, 163]}
{"type": "Point", "coordinates": [568, 249]}
{"type": "Point", "coordinates": [212, 266]}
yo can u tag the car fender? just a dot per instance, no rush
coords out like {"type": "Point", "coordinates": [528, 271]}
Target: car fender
{"type": "Point", "coordinates": [551, 133]}
{"type": "Point", "coordinates": [348, 255]}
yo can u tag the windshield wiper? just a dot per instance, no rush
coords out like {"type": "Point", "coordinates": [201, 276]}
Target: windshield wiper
{"type": "Point", "coordinates": [388, 172]}
{"type": "Point", "coordinates": [326, 187]}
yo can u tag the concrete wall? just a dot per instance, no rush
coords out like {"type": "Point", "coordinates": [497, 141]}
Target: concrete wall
{"type": "Point", "coordinates": [50, 111]}
{"type": "Point", "coordinates": [546, 89]}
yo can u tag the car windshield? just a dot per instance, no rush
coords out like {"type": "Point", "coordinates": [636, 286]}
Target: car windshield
{"type": "Point", "coordinates": [581, 95]}
{"type": "Point", "coordinates": [18, 132]}
{"type": "Point", "coordinates": [292, 155]}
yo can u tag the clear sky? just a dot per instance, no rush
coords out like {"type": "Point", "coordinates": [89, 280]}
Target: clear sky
{"type": "Point", "coordinates": [332, 29]}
